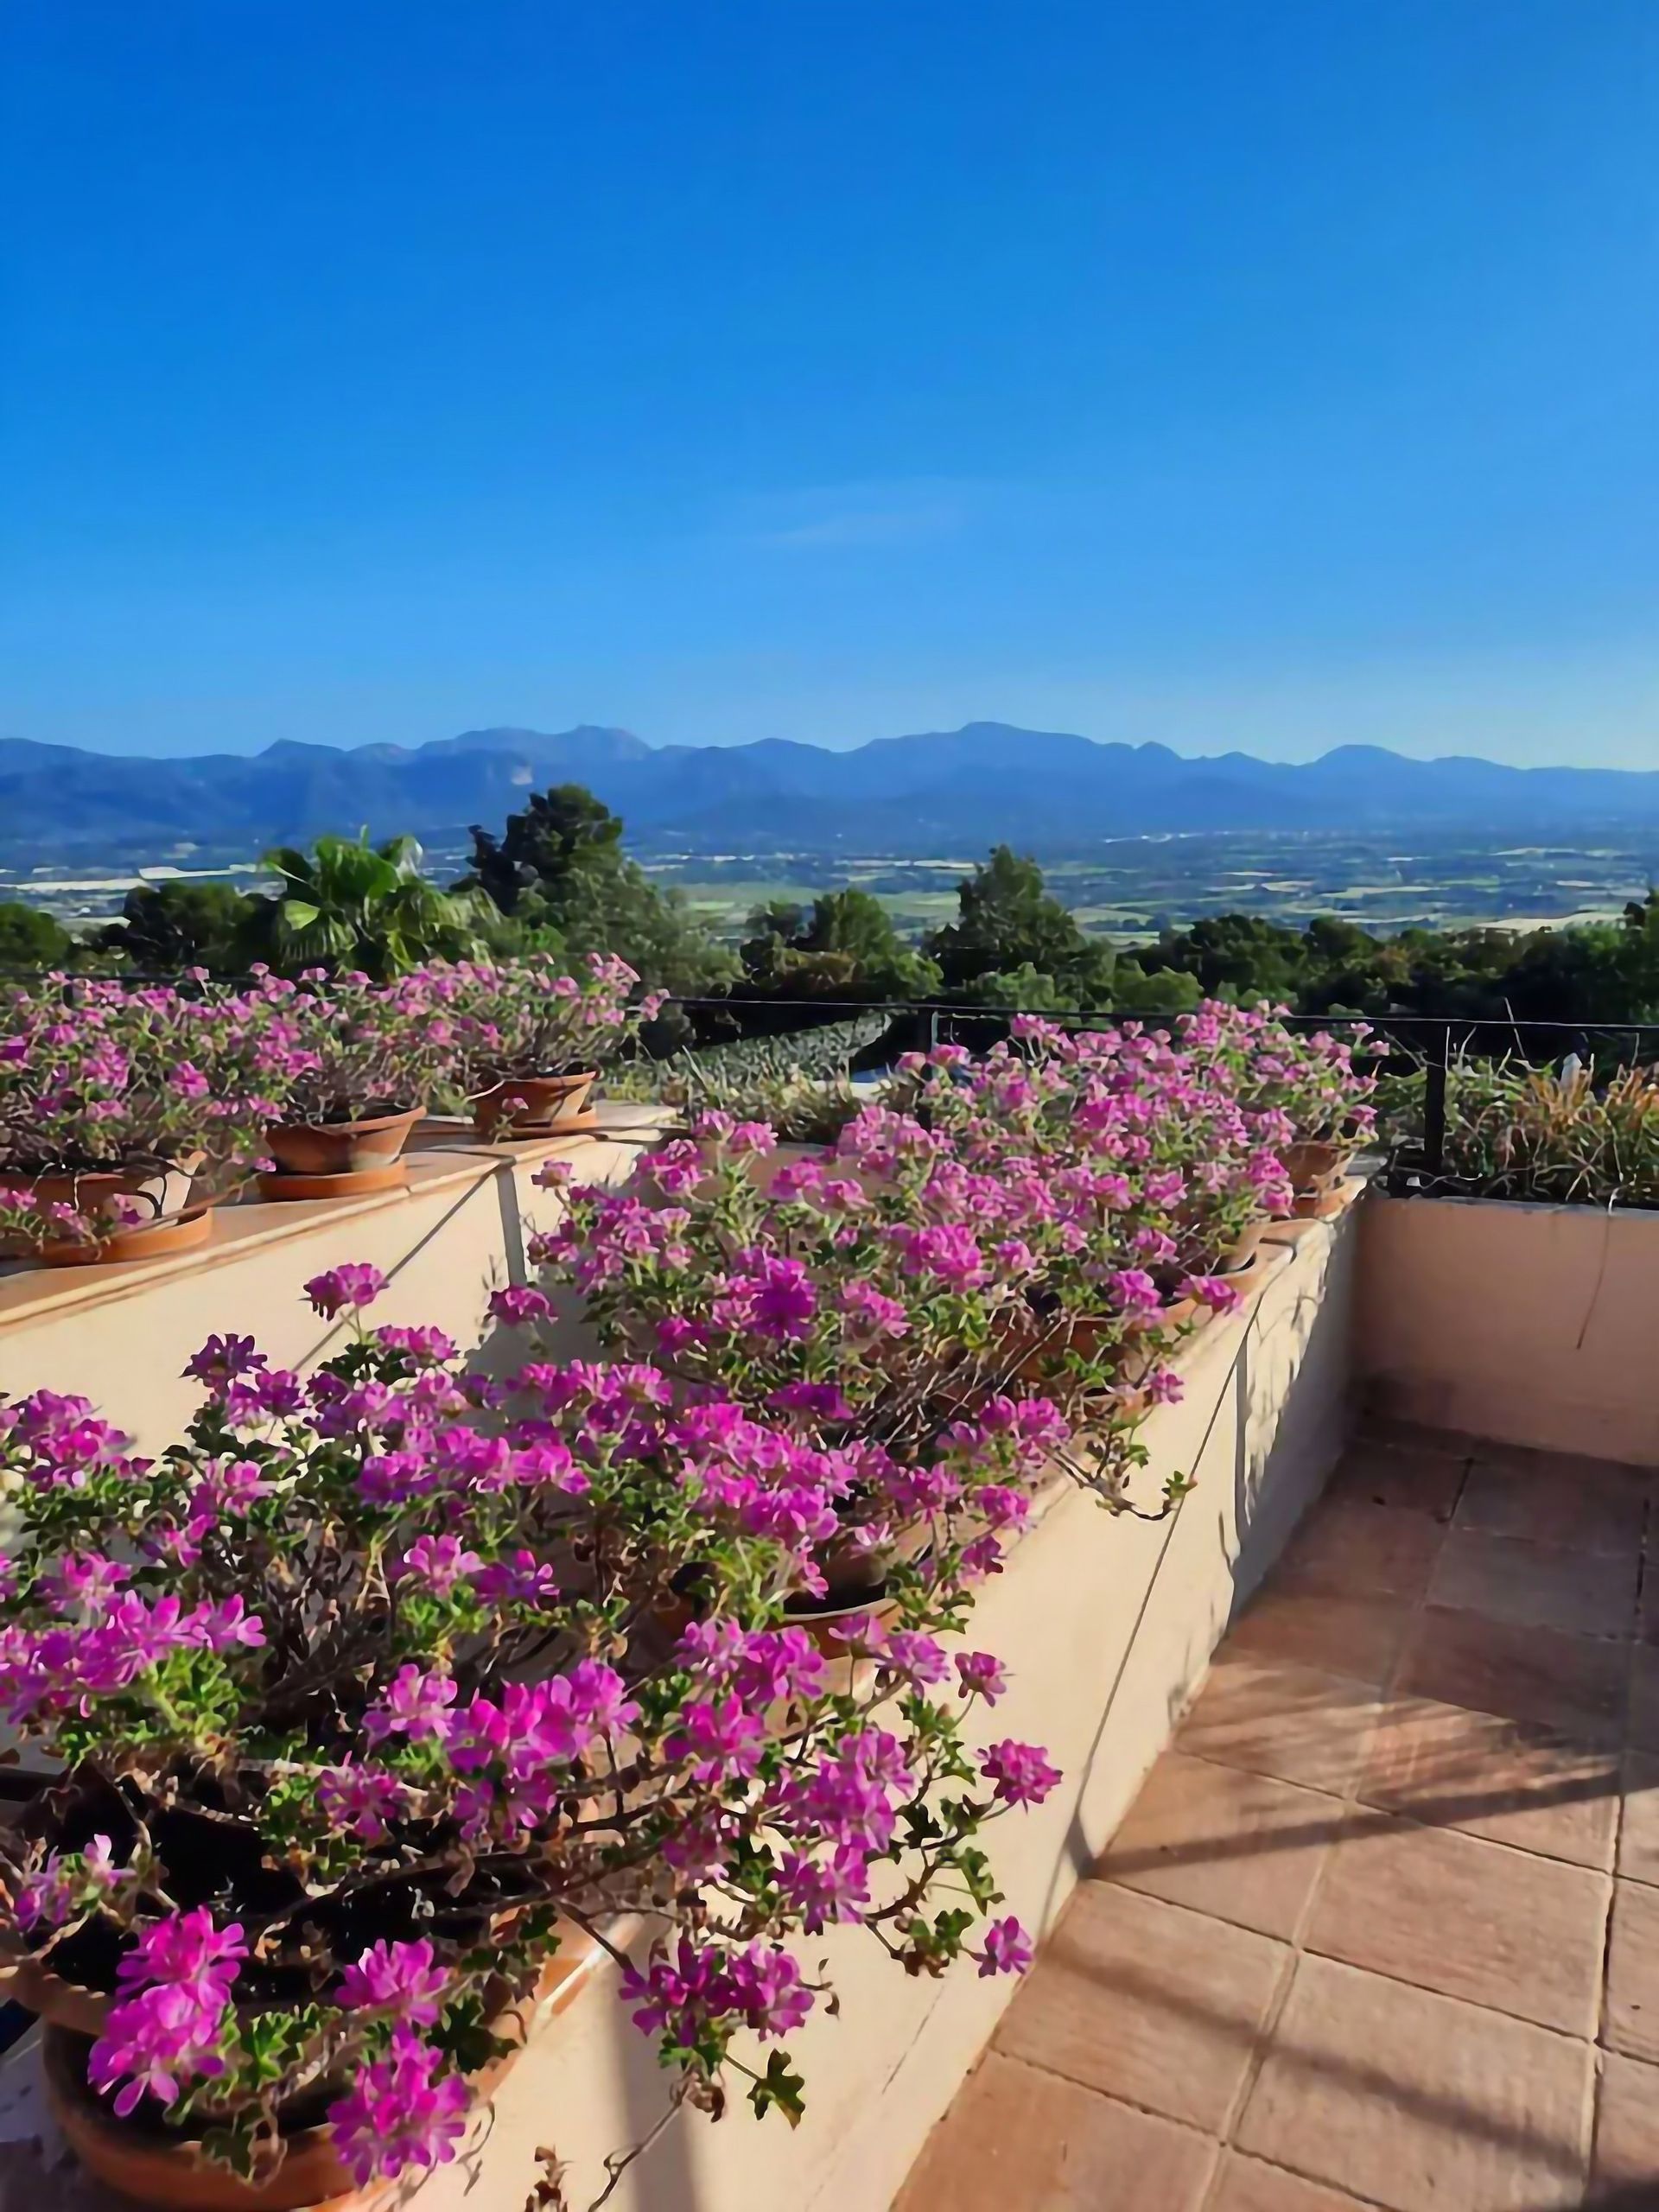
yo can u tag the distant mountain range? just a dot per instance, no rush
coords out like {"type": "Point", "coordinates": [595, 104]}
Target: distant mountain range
{"type": "Point", "coordinates": [936, 794]}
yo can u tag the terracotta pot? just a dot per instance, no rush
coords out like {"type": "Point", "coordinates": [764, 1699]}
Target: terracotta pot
{"type": "Point", "coordinates": [1312, 1160]}
{"type": "Point", "coordinates": [157, 1240]}
{"type": "Point", "coordinates": [1321, 1199]}
{"type": "Point", "coordinates": [164, 1192]}
{"type": "Point", "coordinates": [821, 1622]}
{"type": "Point", "coordinates": [171, 2173]}
{"type": "Point", "coordinates": [63, 2003]}
{"type": "Point", "coordinates": [1241, 1253]}
{"type": "Point", "coordinates": [390, 1175]}
{"type": "Point", "coordinates": [530, 1106]}
{"type": "Point", "coordinates": [339, 1147]}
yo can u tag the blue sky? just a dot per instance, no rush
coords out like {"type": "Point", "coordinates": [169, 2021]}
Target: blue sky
{"type": "Point", "coordinates": [1276, 375]}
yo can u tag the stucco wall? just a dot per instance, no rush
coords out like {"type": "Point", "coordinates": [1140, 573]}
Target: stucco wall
{"type": "Point", "coordinates": [1534, 1325]}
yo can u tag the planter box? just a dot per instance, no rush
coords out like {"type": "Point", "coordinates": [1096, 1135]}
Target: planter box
{"type": "Point", "coordinates": [1534, 1325]}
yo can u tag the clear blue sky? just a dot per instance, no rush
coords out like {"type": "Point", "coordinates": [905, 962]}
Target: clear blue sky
{"type": "Point", "coordinates": [1270, 373]}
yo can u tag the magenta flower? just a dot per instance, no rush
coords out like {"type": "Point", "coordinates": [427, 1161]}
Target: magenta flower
{"type": "Point", "coordinates": [1019, 1773]}
{"type": "Point", "coordinates": [399, 1978]}
{"type": "Point", "coordinates": [520, 1303]}
{"type": "Point", "coordinates": [1007, 1950]}
{"type": "Point", "coordinates": [980, 1675]}
{"type": "Point", "coordinates": [354, 1285]}
{"type": "Point", "coordinates": [403, 2111]}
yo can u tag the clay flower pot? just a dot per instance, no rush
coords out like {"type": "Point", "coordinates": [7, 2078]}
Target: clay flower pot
{"type": "Point", "coordinates": [534, 1106]}
{"type": "Point", "coordinates": [173, 1222]}
{"type": "Point", "coordinates": [149, 2166]}
{"type": "Point", "coordinates": [338, 1160]}
{"type": "Point", "coordinates": [1312, 1161]}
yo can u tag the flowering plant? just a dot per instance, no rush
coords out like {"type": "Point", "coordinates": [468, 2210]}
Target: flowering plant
{"type": "Point", "coordinates": [527, 1018]}
{"type": "Point", "coordinates": [345, 1049]}
{"type": "Point", "coordinates": [95, 1076]}
{"type": "Point", "coordinates": [883, 1290]}
{"type": "Point", "coordinates": [1299, 1088]}
{"type": "Point", "coordinates": [382, 1682]}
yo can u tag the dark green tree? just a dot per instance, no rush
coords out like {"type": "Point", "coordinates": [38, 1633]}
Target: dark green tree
{"type": "Point", "coordinates": [1009, 922]}
{"type": "Point", "coordinates": [31, 939]}
{"type": "Point", "coordinates": [168, 926]}
{"type": "Point", "coordinates": [559, 873]}
{"type": "Point", "coordinates": [844, 945]}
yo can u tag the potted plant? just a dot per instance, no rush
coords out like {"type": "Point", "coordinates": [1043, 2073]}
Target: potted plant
{"type": "Point", "coordinates": [533, 1039]}
{"type": "Point", "coordinates": [355, 1062]}
{"type": "Point", "coordinates": [883, 1293]}
{"type": "Point", "coordinates": [361, 1705]}
{"type": "Point", "coordinates": [124, 1114]}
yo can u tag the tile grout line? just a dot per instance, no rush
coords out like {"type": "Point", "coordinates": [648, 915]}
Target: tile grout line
{"type": "Point", "coordinates": [1266, 2034]}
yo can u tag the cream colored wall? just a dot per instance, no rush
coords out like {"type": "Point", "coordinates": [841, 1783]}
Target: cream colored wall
{"type": "Point", "coordinates": [121, 1335]}
{"type": "Point", "coordinates": [1107, 1626]}
{"type": "Point", "coordinates": [1535, 1324]}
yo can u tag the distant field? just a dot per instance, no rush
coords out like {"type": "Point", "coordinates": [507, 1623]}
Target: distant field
{"type": "Point", "coordinates": [1124, 889]}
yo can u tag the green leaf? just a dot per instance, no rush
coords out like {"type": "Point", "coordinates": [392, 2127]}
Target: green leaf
{"type": "Point", "coordinates": [781, 2087]}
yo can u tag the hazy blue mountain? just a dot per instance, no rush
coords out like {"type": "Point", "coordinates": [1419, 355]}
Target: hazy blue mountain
{"type": "Point", "coordinates": [939, 791]}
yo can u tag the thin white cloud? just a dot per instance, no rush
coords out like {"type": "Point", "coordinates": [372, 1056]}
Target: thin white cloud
{"type": "Point", "coordinates": [831, 516]}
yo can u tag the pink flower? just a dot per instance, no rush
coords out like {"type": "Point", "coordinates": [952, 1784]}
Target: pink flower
{"type": "Point", "coordinates": [355, 1285]}
{"type": "Point", "coordinates": [403, 2111]}
{"type": "Point", "coordinates": [400, 1978]}
{"type": "Point", "coordinates": [1019, 1773]}
{"type": "Point", "coordinates": [980, 1675]}
{"type": "Point", "coordinates": [520, 1303]}
{"type": "Point", "coordinates": [1007, 1950]}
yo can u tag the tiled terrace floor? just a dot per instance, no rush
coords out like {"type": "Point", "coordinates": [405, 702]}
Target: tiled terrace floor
{"type": "Point", "coordinates": [1383, 1927]}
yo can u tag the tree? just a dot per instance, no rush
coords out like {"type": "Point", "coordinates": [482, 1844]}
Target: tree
{"type": "Point", "coordinates": [32, 938]}
{"type": "Point", "coordinates": [1007, 922]}
{"type": "Point", "coordinates": [846, 946]}
{"type": "Point", "coordinates": [351, 905]}
{"type": "Point", "coordinates": [564, 844]}
{"type": "Point", "coordinates": [167, 927]}
{"type": "Point", "coordinates": [559, 873]}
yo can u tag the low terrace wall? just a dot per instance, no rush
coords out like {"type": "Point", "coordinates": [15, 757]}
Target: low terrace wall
{"type": "Point", "coordinates": [120, 1335]}
{"type": "Point", "coordinates": [1535, 1324]}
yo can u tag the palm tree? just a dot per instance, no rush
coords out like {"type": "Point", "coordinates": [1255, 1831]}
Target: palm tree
{"type": "Point", "coordinates": [353, 905]}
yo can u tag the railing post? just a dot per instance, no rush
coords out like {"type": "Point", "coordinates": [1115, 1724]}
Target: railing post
{"type": "Point", "coordinates": [1434, 1102]}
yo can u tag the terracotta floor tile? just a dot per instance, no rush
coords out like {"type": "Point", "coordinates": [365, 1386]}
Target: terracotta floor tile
{"type": "Point", "coordinates": [1418, 2102]}
{"type": "Point", "coordinates": [1019, 2140]}
{"type": "Point", "coordinates": [1504, 1780]}
{"type": "Point", "coordinates": [1417, 1479]}
{"type": "Point", "coordinates": [1347, 1544]}
{"type": "Point", "coordinates": [1447, 1912]}
{"type": "Point", "coordinates": [1587, 1505]}
{"type": "Point", "coordinates": [1222, 1841]}
{"type": "Point", "coordinates": [1353, 1635]}
{"type": "Point", "coordinates": [1645, 1697]}
{"type": "Point", "coordinates": [1627, 2126]}
{"type": "Point", "coordinates": [1143, 2000]}
{"type": "Point", "coordinates": [1638, 1832]}
{"type": "Point", "coordinates": [1574, 1684]}
{"type": "Point", "coordinates": [1291, 1722]}
{"type": "Point", "coordinates": [1536, 1585]}
{"type": "Point", "coordinates": [1246, 2185]}
{"type": "Point", "coordinates": [1631, 2021]}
